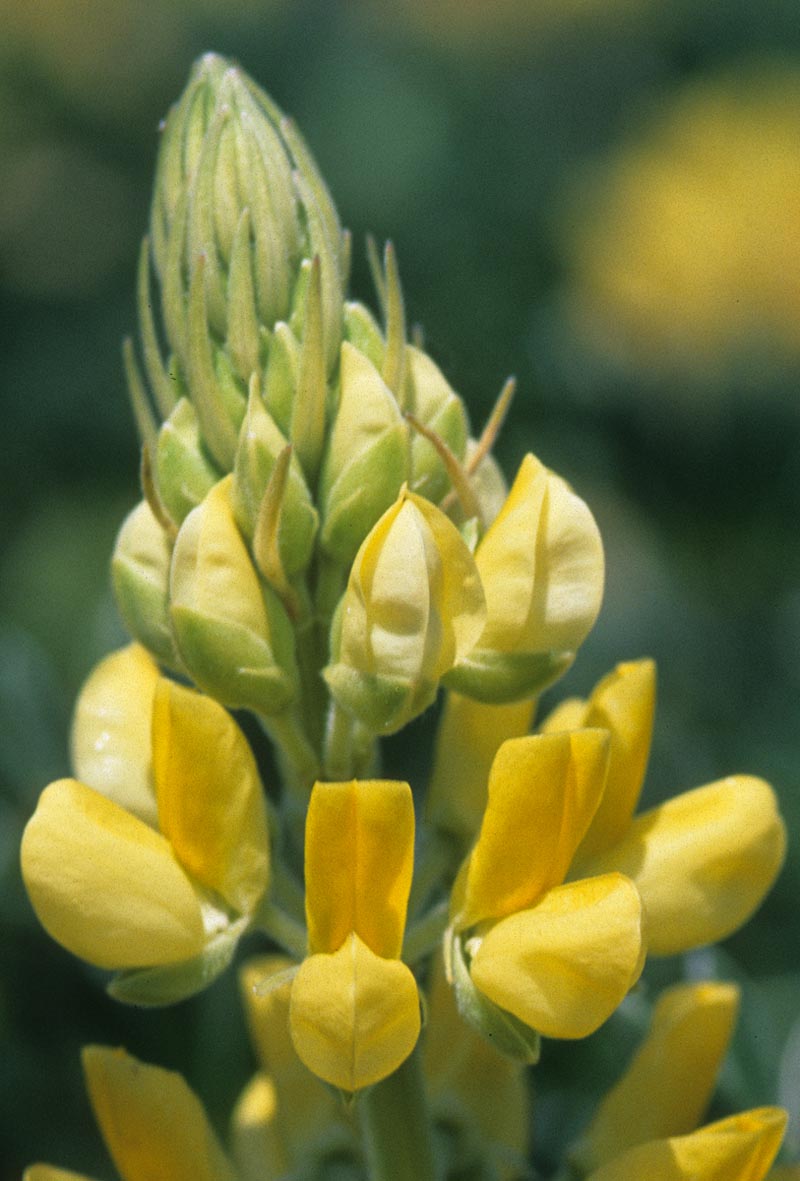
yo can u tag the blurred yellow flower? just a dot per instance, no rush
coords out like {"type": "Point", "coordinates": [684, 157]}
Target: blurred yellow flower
{"type": "Point", "coordinates": [676, 1067]}
{"type": "Point", "coordinates": [686, 254]}
{"type": "Point", "coordinates": [739, 1148]}
{"type": "Point", "coordinates": [174, 880]}
{"type": "Point", "coordinates": [558, 957]}
{"type": "Point", "coordinates": [153, 1124]}
{"type": "Point", "coordinates": [354, 1011]}
{"type": "Point", "coordinates": [704, 860]}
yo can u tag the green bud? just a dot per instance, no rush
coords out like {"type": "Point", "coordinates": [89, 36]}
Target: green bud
{"type": "Point", "coordinates": [184, 473]}
{"type": "Point", "coordinates": [240, 216]}
{"type": "Point", "coordinates": [361, 330]}
{"type": "Point", "coordinates": [232, 631]}
{"type": "Point", "coordinates": [501, 1029]}
{"type": "Point", "coordinates": [140, 576]}
{"type": "Point", "coordinates": [366, 460]}
{"type": "Point", "coordinates": [281, 376]}
{"type": "Point", "coordinates": [260, 445]}
{"type": "Point", "coordinates": [436, 406]}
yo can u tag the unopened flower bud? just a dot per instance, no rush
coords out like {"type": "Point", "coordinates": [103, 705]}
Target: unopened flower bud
{"type": "Point", "coordinates": [232, 630]}
{"type": "Point", "coordinates": [240, 212]}
{"type": "Point", "coordinates": [260, 444]}
{"type": "Point", "coordinates": [140, 575]}
{"type": "Point", "coordinates": [541, 565]}
{"type": "Point", "coordinates": [367, 457]}
{"type": "Point", "coordinates": [184, 472]}
{"type": "Point", "coordinates": [413, 607]}
{"type": "Point", "coordinates": [438, 407]}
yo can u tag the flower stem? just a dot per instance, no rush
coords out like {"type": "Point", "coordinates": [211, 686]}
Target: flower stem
{"type": "Point", "coordinates": [395, 1127]}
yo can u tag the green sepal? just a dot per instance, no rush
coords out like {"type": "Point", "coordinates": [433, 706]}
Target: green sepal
{"type": "Point", "coordinates": [260, 444]}
{"type": "Point", "coordinates": [366, 460]}
{"type": "Point", "coordinates": [281, 375]}
{"type": "Point", "coordinates": [361, 329]}
{"type": "Point", "coordinates": [233, 664]}
{"type": "Point", "coordinates": [184, 473]}
{"type": "Point", "coordinates": [383, 704]}
{"type": "Point", "coordinates": [232, 395]}
{"type": "Point", "coordinates": [140, 578]}
{"type": "Point", "coordinates": [166, 985]}
{"type": "Point", "coordinates": [430, 398]}
{"type": "Point", "coordinates": [498, 678]}
{"type": "Point", "coordinates": [501, 1029]}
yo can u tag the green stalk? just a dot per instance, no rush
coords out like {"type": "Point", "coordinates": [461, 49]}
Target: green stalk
{"type": "Point", "coordinates": [395, 1127]}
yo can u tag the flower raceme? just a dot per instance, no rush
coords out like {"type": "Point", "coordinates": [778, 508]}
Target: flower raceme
{"type": "Point", "coordinates": [155, 864]}
{"type": "Point", "coordinates": [704, 860]}
{"type": "Point", "coordinates": [354, 1010]}
{"type": "Point", "coordinates": [557, 955]}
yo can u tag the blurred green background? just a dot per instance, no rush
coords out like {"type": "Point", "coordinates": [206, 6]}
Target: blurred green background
{"type": "Point", "coordinates": [599, 196]}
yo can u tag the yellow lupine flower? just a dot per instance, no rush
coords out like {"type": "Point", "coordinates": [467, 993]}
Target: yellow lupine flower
{"type": "Point", "coordinates": [472, 1086]}
{"type": "Point", "coordinates": [153, 1124]}
{"type": "Point", "coordinates": [559, 957]}
{"type": "Point", "coordinates": [354, 1011]}
{"type": "Point", "coordinates": [469, 735]}
{"type": "Point", "coordinates": [125, 893]}
{"type": "Point", "coordinates": [542, 569]}
{"type": "Point", "coordinates": [413, 607]}
{"type": "Point", "coordinates": [676, 1067]}
{"type": "Point", "coordinates": [285, 1115]}
{"type": "Point", "coordinates": [739, 1148]}
{"type": "Point", "coordinates": [702, 861]}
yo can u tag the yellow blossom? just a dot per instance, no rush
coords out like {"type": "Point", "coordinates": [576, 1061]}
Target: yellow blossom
{"type": "Point", "coordinates": [412, 609]}
{"type": "Point", "coordinates": [285, 1115]}
{"type": "Point", "coordinates": [171, 884]}
{"type": "Point", "coordinates": [688, 253]}
{"type": "Point", "coordinates": [702, 861]}
{"type": "Point", "coordinates": [676, 1067]}
{"type": "Point", "coordinates": [153, 1124]}
{"type": "Point", "coordinates": [739, 1148]}
{"type": "Point", "coordinates": [354, 1012]}
{"type": "Point", "coordinates": [559, 956]}
{"type": "Point", "coordinates": [542, 570]}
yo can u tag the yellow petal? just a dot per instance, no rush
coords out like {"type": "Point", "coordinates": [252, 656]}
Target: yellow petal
{"type": "Point", "coordinates": [111, 745]}
{"type": "Point", "coordinates": [152, 1122]}
{"type": "Point", "coordinates": [210, 800]}
{"type": "Point", "coordinates": [469, 736]}
{"type": "Point", "coordinates": [622, 703]}
{"type": "Point", "coordinates": [542, 568]}
{"type": "Point", "coordinates": [257, 1142]}
{"type": "Point", "coordinates": [676, 1067]}
{"type": "Point", "coordinates": [702, 861]}
{"type": "Point", "coordinates": [564, 966]}
{"type": "Point", "coordinates": [740, 1148]}
{"type": "Point", "coordinates": [212, 573]}
{"type": "Point", "coordinates": [354, 1016]}
{"type": "Point", "coordinates": [303, 1104]}
{"type": "Point", "coordinates": [414, 602]}
{"type": "Point", "coordinates": [543, 792]}
{"type": "Point", "coordinates": [105, 885]}
{"type": "Point", "coordinates": [359, 861]}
